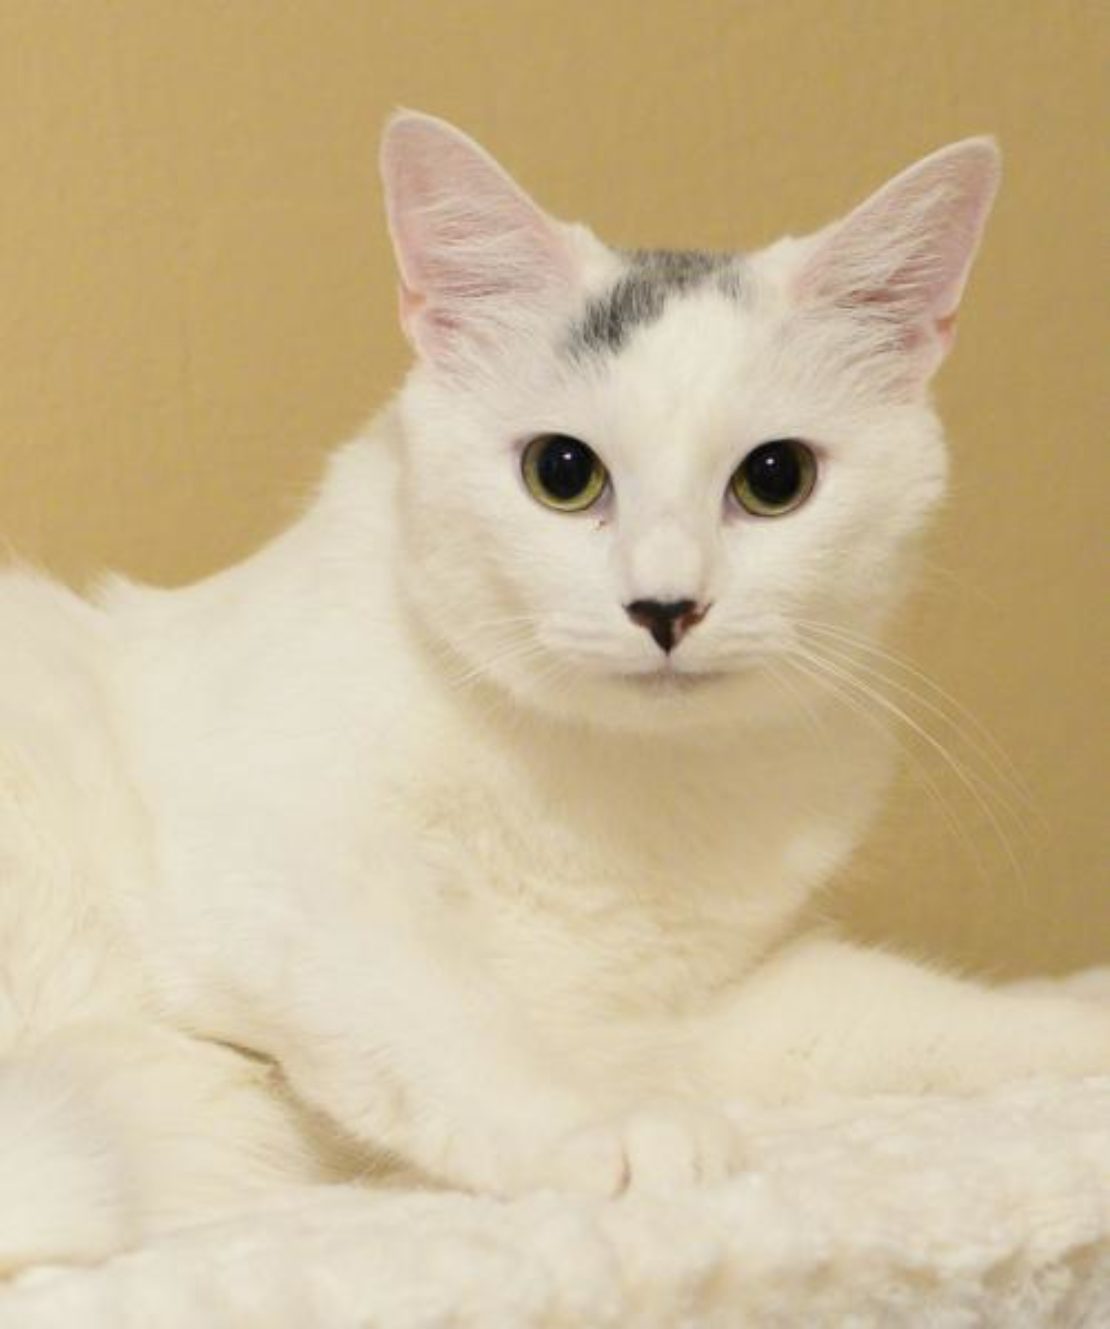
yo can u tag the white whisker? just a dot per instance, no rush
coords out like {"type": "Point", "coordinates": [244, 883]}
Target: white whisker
{"type": "Point", "coordinates": [917, 768]}
{"type": "Point", "coordinates": [972, 783]}
{"type": "Point", "coordinates": [842, 646]}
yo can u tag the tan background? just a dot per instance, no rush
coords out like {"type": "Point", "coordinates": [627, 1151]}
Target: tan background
{"type": "Point", "coordinates": [196, 300]}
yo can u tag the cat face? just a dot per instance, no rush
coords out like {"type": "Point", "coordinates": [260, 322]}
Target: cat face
{"type": "Point", "coordinates": [632, 483]}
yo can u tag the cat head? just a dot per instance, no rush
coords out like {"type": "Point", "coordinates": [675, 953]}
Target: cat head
{"type": "Point", "coordinates": [633, 482]}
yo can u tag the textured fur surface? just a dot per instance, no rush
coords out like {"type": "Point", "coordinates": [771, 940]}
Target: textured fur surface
{"type": "Point", "coordinates": [882, 1213]}
{"type": "Point", "coordinates": [401, 840]}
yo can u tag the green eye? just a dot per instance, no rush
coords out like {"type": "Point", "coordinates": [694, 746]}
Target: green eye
{"type": "Point", "coordinates": [563, 473]}
{"type": "Point", "coordinates": [774, 478]}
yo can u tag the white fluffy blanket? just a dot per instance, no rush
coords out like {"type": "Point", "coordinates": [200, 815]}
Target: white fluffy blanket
{"type": "Point", "coordinates": [993, 1211]}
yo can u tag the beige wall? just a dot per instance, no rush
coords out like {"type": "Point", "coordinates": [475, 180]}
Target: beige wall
{"type": "Point", "coordinates": [196, 300]}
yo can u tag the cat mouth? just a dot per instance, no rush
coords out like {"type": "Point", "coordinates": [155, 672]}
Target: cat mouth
{"type": "Point", "coordinates": [668, 680]}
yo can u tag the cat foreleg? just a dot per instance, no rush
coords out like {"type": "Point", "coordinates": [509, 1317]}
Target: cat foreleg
{"type": "Point", "coordinates": [419, 1053]}
{"type": "Point", "coordinates": [824, 1015]}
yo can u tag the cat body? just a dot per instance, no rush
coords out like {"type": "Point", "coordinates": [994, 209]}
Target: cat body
{"type": "Point", "coordinates": [473, 826]}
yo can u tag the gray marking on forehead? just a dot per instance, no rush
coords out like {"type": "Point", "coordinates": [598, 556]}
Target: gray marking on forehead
{"type": "Point", "coordinates": [640, 293]}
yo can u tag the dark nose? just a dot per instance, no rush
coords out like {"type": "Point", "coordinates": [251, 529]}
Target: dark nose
{"type": "Point", "coordinates": [668, 621]}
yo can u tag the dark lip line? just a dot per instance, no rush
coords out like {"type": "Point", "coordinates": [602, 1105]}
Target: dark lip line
{"type": "Point", "coordinates": [667, 676]}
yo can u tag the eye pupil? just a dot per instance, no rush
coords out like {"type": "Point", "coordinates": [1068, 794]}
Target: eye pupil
{"type": "Point", "coordinates": [774, 472]}
{"type": "Point", "coordinates": [563, 472]}
{"type": "Point", "coordinates": [565, 467]}
{"type": "Point", "coordinates": [775, 477]}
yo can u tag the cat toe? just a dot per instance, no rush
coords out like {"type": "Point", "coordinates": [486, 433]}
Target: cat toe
{"type": "Point", "coordinates": [655, 1149]}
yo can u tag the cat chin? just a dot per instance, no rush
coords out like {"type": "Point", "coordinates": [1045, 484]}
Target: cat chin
{"type": "Point", "coordinates": [663, 701]}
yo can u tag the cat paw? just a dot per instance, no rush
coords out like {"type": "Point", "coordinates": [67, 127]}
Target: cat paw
{"type": "Point", "coordinates": [1084, 985]}
{"type": "Point", "coordinates": [658, 1148]}
{"type": "Point", "coordinates": [1088, 985]}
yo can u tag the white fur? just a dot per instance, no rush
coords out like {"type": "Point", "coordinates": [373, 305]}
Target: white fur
{"type": "Point", "coordinates": [879, 1213]}
{"type": "Point", "coordinates": [408, 807]}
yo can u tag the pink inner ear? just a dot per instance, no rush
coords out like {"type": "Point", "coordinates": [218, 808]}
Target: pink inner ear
{"type": "Point", "coordinates": [474, 252]}
{"type": "Point", "coordinates": [420, 323]}
{"type": "Point", "coordinates": [946, 332]}
{"type": "Point", "coordinates": [905, 254]}
{"type": "Point", "coordinates": [408, 305]}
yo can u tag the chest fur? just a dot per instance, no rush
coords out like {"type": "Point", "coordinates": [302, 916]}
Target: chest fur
{"type": "Point", "coordinates": [604, 884]}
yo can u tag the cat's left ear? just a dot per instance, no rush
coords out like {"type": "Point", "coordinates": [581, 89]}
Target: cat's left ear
{"type": "Point", "coordinates": [902, 258]}
{"type": "Point", "coordinates": [477, 258]}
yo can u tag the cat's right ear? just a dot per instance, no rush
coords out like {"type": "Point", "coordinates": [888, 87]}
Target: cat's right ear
{"type": "Point", "coordinates": [477, 259]}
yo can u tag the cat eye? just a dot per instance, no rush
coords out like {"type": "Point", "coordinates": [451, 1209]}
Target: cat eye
{"type": "Point", "coordinates": [563, 473]}
{"type": "Point", "coordinates": [774, 478]}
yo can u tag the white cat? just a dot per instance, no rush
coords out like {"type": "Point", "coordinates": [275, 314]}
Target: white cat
{"type": "Point", "coordinates": [474, 819]}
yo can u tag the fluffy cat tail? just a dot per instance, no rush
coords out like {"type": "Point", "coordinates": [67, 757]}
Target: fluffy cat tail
{"type": "Point", "coordinates": [64, 1192]}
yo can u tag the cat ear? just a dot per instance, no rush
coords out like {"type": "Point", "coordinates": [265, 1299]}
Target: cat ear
{"type": "Point", "coordinates": [476, 256]}
{"type": "Point", "coordinates": [903, 256]}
